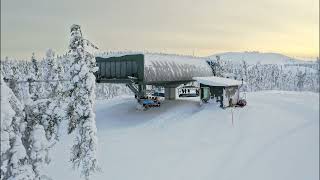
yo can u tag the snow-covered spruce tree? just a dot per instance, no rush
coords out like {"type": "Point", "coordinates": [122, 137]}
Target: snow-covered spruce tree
{"type": "Point", "coordinates": [216, 66]}
{"type": "Point", "coordinates": [44, 113]}
{"type": "Point", "coordinates": [6, 68]}
{"type": "Point", "coordinates": [37, 90]}
{"type": "Point", "coordinates": [37, 145]}
{"type": "Point", "coordinates": [41, 118]}
{"type": "Point", "coordinates": [17, 75]}
{"type": "Point", "coordinates": [39, 127]}
{"type": "Point", "coordinates": [35, 65]}
{"type": "Point", "coordinates": [15, 164]}
{"type": "Point", "coordinates": [81, 108]}
{"type": "Point", "coordinates": [52, 108]}
{"type": "Point", "coordinates": [50, 67]}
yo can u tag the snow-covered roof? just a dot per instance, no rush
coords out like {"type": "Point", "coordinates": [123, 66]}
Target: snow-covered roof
{"type": "Point", "coordinates": [161, 67]}
{"type": "Point", "coordinates": [108, 54]}
{"type": "Point", "coordinates": [218, 81]}
{"type": "Point", "coordinates": [167, 67]}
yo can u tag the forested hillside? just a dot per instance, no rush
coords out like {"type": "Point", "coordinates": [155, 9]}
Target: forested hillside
{"type": "Point", "coordinates": [302, 76]}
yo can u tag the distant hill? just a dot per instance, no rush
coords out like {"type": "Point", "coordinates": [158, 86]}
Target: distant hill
{"type": "Point", "coordinates": [255, 57]}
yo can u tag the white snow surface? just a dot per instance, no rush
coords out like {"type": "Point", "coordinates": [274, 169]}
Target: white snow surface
{"type": "Point", "coordinates": [258, 57]}
{"type": "Point", "coordinates": [218, 81]}
{"type": "Point", "coordinates": [276, 136]}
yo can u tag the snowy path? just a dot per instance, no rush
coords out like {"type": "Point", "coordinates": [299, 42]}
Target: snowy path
{"type": "Point", "coordinates": [275, 137]}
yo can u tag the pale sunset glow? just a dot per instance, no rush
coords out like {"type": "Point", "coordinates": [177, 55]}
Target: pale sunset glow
{"type": "Point", "coordinates": [202, 28]}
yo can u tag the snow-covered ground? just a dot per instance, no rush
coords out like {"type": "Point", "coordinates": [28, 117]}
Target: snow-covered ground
{"type": "Point", "coordinates": [258, 57]}
{"type": "Point", "coordinates": [276, 136]}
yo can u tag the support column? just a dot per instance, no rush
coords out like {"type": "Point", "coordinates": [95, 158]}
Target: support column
{"type": "Point", "coordinates": [170, 93]}
{"type": "Point", "coordinates": [142, 89]}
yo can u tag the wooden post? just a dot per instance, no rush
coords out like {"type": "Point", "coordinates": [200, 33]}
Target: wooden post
{"type": "Point", "coordinates": [232, 117]}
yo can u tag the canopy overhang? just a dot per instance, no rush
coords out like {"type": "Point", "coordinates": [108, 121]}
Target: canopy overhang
{"type": "Point", "coordinates": [218, 81]}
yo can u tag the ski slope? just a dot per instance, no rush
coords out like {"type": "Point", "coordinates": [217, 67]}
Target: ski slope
{"type": "Point", "coordinates": [258, 57]}
{"type": "Point", "coordinates": [276, 136]}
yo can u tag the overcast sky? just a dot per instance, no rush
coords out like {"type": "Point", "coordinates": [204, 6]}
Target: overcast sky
{"type": "Point", "coordinates": [204, 27]}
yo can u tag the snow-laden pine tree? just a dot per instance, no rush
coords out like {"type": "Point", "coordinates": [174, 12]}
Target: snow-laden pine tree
{"type": "Point", "coordinates": [35, 139]}
{"type": "Point", "coordinates": [45, 112]}
{"type": "Point", "coordinates": [53, 106]}
{"type": "Point", "coordinates": [37, 144]}
{"type": "Point", "coordinates": [217, 66]}
{"type": "Point", "coordinates": [38, 118]}
{"type": "Point", "coordinates": [81, 108]}
{"type": "Point", "coordinates": [22, 132]}
{"type": "Point", "coordinates": [17, 75]}
{"type": "Point", "coordinates": [54, 72]}
{"type": "Point", "coordinates": [15, 162]}
{"type": "Point", "coordinates": [38, 89]}
{"type": "Point", "coordinates": [6, 68]}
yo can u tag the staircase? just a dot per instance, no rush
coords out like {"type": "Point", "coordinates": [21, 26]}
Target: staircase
{"type": "Point", "coordinates": [134, 88]}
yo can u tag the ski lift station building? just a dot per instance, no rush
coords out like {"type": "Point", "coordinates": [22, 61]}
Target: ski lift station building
{"type": "Point", "coordinates": [169, 71]}
{"type": "Point", "coordinates": [141, 69]}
